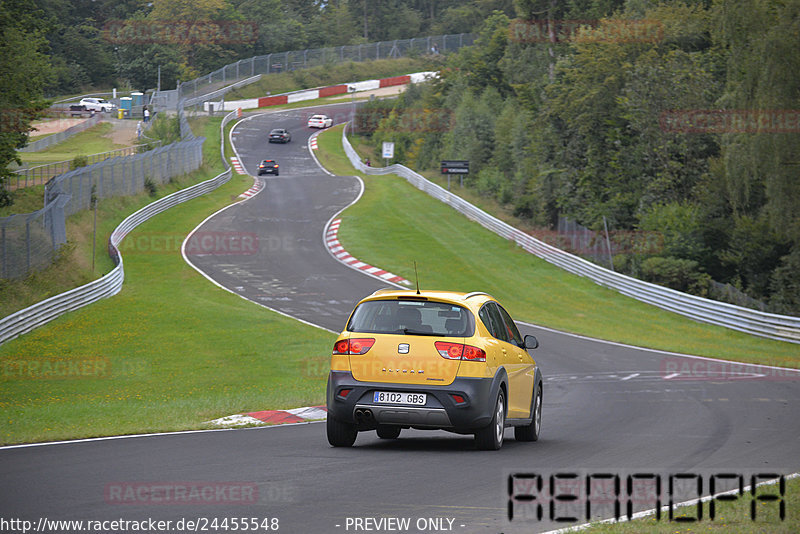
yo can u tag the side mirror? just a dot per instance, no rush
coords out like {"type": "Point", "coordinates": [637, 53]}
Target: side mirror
{"type": "Point", "coordinates": [531, 342]}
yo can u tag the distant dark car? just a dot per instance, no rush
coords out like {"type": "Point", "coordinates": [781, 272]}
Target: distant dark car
{"type": "Point", "coordinates": [268, 166]}
{"type": "Point", "coordinates": [279, 135]}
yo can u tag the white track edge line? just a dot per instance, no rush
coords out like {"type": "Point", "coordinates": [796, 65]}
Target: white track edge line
{"type": "Point", "coordinates": [647, 349]}
{"type": "Point", "coordinates": [155, 434]}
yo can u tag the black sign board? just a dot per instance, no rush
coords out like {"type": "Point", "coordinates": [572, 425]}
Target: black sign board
{"type": "Point", "coordinates": [455, 167]}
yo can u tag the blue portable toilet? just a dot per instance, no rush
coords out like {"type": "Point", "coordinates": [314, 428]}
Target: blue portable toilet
{"type": "Point", "coordinates": [138, 99]}
{"type": "Point", "coordinates": [125, 103]}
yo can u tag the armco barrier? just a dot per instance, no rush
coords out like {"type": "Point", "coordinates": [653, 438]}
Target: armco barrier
{"type": "Point", "coordinates": [773, 326]}
{"type": "Point", "coordinates": [41, 313]}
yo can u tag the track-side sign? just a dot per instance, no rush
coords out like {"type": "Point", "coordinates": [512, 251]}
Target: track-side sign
{"type": "Point", "coordinates": [455, 167]}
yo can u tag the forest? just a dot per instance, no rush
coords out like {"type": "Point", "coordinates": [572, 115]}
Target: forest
{"type": "Point", "coordinates": [677, 119]}
{"type": "Point", "coordinates": [57, 48]}
{"type": "Point", "coordinates": [670, 119]}
{"type": "Point", "coordinates": [84, 50]}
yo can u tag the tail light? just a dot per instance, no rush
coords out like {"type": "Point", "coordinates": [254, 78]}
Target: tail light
{"type": "Point", "coordinates": [460, 351]}
{"type": "Point", "coordinates": [355, 346]}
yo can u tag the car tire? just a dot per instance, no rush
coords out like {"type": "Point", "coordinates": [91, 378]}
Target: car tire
{"type": "Point", "coordinates": [490, 438]}
{"type": "Point", "coordinates": [388, 431]}
{"type": "Point", "coordinates": [531, 431]}
{"type": "Point", "coordinates": [340, 434]}
{"type": "Point", "coordinates": [277, 174]}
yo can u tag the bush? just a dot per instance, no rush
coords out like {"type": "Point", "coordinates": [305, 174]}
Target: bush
{"type": "Point", "coordinates": [150, 186]}
{"type": "Point", "coordinates": [167, 129]}
{"type": "Point", "coordinates": [78, 161]}
{"type": "Point", "coordinates": [676, 273]}
{"type": "Point", "coordinates": [489, 181]}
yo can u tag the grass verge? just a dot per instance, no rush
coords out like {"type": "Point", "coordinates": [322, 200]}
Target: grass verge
{"type": "Point", "coordinates": [394, 224]}
{"type": "Point", "coordinates": [91, 141]}
{"type": "Point", "coordinates": [730, 516]}
{"type": "Point", "coordinates": [169, 352]}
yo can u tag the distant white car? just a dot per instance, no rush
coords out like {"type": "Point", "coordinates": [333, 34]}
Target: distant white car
{"type": "Point", "coordinates": [97, 104]}
{"type": "Point", "coordinates": [320, 121]}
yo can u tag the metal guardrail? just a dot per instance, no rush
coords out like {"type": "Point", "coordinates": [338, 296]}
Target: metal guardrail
{"type": "Point", "coordinates": [220, 92]}
{"type": "Point", "coordinates": [768, 325]}
{"type": "Point", "coordinates": [41, 313]}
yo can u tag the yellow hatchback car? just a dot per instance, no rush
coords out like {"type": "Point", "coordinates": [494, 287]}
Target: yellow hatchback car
{"type": "Point", "coordinates": [433, 360]}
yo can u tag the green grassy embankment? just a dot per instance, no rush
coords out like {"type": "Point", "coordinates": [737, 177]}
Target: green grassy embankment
{"type": "Point", "coordinates": [394, 224]}
{"type": "Point", "coordinates": [169, 352]}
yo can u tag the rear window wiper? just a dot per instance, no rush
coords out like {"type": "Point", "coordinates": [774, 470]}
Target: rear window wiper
{"type": "Point", "coordinates": [408, 331]}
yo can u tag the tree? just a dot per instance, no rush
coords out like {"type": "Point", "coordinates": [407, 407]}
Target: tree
{"type": "Point", "coordinates": [23, 73]}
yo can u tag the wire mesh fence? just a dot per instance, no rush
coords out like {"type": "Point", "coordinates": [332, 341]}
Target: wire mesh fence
{"type": "Point", "coordinates": [41, 174]}
{"type": "Point", "coordinates": [124, 175]}
{"type": "Point", "coordinates": [29, 241]}
{"type": "Point", "coordinates": [300, 59]}
{"type": "Point", "coordinates": [50, 140]}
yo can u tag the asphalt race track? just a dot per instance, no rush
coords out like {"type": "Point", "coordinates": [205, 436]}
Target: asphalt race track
{"type": "Point", "coordinates": [608, 409]}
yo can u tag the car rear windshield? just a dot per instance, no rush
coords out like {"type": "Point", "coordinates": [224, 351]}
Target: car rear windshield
{"type": "Point", "coordinates": [412, 317]}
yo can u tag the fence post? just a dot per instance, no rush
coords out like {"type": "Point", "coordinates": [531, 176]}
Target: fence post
{"type": "Point", "coordinates": [5, 255]}
{"type": "Point", "coordinates": [100, 183]}
{"type": "Point", "coordinates": [28, 244]}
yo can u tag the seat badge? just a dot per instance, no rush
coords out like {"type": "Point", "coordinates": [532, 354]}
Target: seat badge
{"type": "Point", "coordinates": [403, 348]}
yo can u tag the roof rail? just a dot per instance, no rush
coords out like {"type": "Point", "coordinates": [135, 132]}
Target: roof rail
{"type": "Point", "coordinates": [476, 293]}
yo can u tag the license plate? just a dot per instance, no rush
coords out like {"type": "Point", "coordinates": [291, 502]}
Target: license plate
{"type": "Point", "coordinates": [395, 397]}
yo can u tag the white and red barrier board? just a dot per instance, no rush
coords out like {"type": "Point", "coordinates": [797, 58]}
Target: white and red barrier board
{"type": "Point", "coordinates": [312, 94]}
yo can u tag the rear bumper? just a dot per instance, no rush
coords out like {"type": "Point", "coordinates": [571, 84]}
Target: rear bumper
{"type": "Point", "coordinates": [440, 411]}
